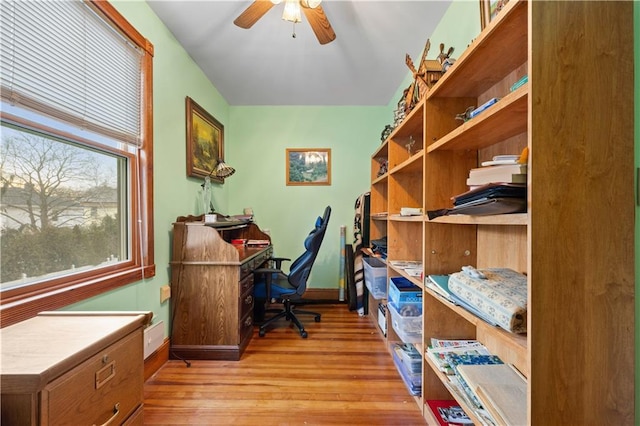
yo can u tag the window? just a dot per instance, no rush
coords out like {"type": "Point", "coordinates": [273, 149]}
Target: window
{"type": "Point", "coordinates": [76, 142]}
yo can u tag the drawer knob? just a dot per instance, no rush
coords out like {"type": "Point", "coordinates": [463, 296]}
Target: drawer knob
{"type": "Point", "coordinates": [116, 411]}
{"type": "Point", "coordinates": [248, 321]}
{"type": "Point", "coordinates": [248, 300]}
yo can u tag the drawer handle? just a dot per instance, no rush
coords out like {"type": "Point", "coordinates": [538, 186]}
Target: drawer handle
{"type": "Point", "coordinates": [116, 411]}
{"type": "Point", "coordinates": [248, 300]}
{"type": "Point", "coordinates": [109, 370]}
{"type": "Point", "coordinates": [248, 321]}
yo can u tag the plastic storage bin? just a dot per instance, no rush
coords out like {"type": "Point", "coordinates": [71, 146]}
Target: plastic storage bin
{"type": "Point", "coordinates": [405, 295]}
{"type": "Point", "coordinates": [408, 328]}
{"type": "Point", "coordinates": [413, 381]}
{"type": "Point", "coordinates": [375, 277]}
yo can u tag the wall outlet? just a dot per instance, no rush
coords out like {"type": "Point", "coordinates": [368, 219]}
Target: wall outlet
{"type": "Point", "coordinates": [165, 293]}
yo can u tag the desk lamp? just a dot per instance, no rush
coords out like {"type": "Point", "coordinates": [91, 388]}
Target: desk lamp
{"type": "Point", "coordinates": [222, 170]}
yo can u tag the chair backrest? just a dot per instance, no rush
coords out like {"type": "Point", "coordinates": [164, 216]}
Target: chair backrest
{"type": "Point", "coordinates": [301, 267]}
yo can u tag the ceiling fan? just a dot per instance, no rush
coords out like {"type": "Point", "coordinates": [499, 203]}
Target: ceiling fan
{"type": "Point", "coordinates": [311, 8]}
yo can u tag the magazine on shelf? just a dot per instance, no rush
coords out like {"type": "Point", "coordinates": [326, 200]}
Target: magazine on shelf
{"type": "Point", "coordinates": [439, 356]}
{"type": "Point", "coordinates": [501, 389]}
{"type": "Point", "coordinates": [448, 412]}
{"type": "Point", "coordinates": [439, 284]}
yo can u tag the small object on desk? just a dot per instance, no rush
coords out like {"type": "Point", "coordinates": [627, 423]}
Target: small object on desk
{"type": "Point", "coordinates": [239, 242]}
{"type": "Point", "coordinates": [210, 218]}
{"type": "Point", "coordinates": [258, 243]}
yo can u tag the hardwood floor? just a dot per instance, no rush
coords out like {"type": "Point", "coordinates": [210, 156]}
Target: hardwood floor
{"type": "Point", "coordinates": [341, 374]}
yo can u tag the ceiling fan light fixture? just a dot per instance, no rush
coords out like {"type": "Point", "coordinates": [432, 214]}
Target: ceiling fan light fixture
{"type": "Point", "coordinates": [310, 3]}
{"type": "Point", "coordinates": [292, 11]}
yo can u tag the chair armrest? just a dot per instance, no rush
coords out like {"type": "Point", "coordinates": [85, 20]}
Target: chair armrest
{"type": "Point", "coordinates": [267, 272]}
{"type": "Point", "coordinates": [263, 271]}
{"type": "Point", "coordinates": [278, 261]}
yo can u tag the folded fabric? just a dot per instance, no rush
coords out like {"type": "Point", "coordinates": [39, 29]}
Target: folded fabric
{"type": "Point", "coordinates": [501, 296]}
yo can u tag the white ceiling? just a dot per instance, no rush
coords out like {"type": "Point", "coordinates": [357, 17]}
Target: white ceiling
{"type": "Point", "coordinates": [265, 65]}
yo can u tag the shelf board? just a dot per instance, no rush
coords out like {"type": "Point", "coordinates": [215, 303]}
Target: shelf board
{"type": "Point", "coordinates": [414, 280]}
{"type": "Point", "coordinates": [368, 252]}
{"type": "Point", "coordinates": [382, 152]}
{"type": "Point", "coordinates": [499, 49]}
{"type": "Point", "coordinates": [506, 118]}
{"type": "Point", "coordinates": [400, 218]}
{"type": "Point", "coordinates": [379, 216]}
{"type": "Point", "coordinates": [500, 219]}
{"type": "Point", "coordinates": [412, 164]}
{"type": "Point", "coordinates": [411, 124]}
{"type": "Point", "coordinates": [380, 179]}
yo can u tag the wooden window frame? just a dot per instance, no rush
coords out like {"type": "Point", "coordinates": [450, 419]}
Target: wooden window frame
{"type": "Point", "coordinates": [20, 304]}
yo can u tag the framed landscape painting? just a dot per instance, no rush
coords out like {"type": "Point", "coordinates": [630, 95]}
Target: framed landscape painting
{"type": "Point", "coordinates": [205, 142]}
{"type": "Point", "coordinates": [308, 166]}
{"type": "Point", "coordinates": [489, 9]}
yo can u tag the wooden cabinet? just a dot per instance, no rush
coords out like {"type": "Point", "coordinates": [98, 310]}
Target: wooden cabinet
{"type": "Point", "coordinates": [212, 289]}
{"type": "Point", "coordinates": [72, 368]}
{"type": "Point", "coordinates": [575, 243]}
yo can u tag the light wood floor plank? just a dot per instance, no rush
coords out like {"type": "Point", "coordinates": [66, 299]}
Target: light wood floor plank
{"type": "Point", "coordinates": [342, 374]}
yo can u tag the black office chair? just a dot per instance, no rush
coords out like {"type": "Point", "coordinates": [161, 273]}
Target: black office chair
{"type": "Point", "coordinates": [273, 285]}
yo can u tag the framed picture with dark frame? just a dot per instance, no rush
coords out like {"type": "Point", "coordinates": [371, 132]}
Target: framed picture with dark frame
{"type": "Point", "coordinates": [489, 9]}
{"type": "Point", "coordinates": [308, 166]}
{"type": "Point", "coordinates": [205, 142]}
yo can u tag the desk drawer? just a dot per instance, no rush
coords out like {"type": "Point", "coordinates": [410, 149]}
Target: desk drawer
{"type": "Point", "coordinates": [105, 388]}
{"type": "Point", "coordinates": [246, 285]}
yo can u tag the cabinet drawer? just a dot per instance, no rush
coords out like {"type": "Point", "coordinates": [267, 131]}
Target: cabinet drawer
{"type": "Point", "coordinates": [107, 387]}
{"type": "Point", "coordinates": [246, 285]}
{"type": "Point", "coordinates": [136, 419]}
{"type": "Point", "coordinates": [246, 329]}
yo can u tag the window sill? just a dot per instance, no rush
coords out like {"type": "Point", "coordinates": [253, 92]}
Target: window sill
{"type": "Point", "coordinates": [16, 309]}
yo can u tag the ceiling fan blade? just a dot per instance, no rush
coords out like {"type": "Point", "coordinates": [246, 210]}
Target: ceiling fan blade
{"type": "Point", "coordinates": [319, 24]}
{"type": "Point", "coordinates": [252, 13]}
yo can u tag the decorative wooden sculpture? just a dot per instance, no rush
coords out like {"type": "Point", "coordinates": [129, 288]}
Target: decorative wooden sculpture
{"type": "Point", "coordinates": [427, 74]}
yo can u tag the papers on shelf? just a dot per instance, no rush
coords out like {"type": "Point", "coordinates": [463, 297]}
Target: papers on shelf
{"type": "Point", "coordinates": [410, 211]}
{"type": "Point", "coordinates": [496, 392]}
{"type": "Point", "coordinates": [502, 159]}
{"type": "Point", "coordinates": [501, 389]}
{"type": "Point", "coordinates": [410, 267]}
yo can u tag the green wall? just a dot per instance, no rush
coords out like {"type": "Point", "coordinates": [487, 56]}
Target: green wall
{"type": "Point", "coordinates": [259, 139]}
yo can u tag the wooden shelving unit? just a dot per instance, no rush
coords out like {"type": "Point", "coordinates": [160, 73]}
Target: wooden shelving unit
{"type": "Point", "coordinates": [575, 244]}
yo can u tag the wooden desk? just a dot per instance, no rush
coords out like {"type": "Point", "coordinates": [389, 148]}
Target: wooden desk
{"type": "Point", "coordinates": [212, 289]}
{"type": "Point", "coordinates": [73, 368]}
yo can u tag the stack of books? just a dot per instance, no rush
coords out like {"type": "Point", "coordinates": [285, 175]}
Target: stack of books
{"type": "Point", "coordinates": [501, 172]}
{"type": "Point", "coordinates": [495, 391]}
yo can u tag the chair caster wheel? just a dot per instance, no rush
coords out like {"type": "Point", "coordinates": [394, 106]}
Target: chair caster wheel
{"type": "Point", "coordinates": [261, 333]}
{"type": "Point", "coordinates": [303, 334]}
{"type": "Point", "coordinates": [317, 318]}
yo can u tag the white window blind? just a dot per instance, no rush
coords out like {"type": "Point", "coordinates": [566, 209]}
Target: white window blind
{"type": "Point", "coordinates": [62, 59]}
